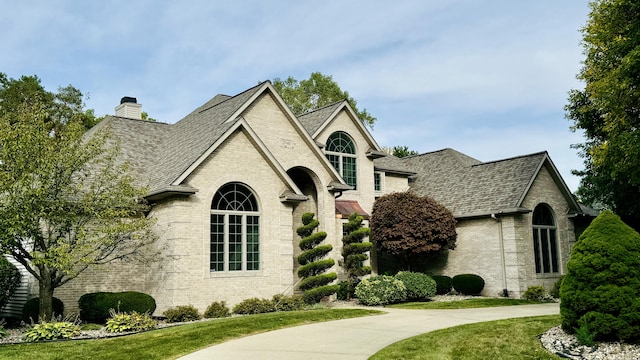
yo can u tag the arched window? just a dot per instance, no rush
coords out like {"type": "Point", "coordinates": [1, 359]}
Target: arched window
{"type": "Point", "coordinates": [545, 243]}
{"type": "Point", "coordinates": [235, 229]}
{"type": "Point", "coordinates": [341, 152]}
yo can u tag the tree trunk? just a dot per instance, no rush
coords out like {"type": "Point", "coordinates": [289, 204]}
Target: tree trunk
{"type": "Point", "coordinates": [46, 288]}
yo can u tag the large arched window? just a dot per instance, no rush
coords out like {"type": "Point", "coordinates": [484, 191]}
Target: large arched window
{"type": "Point", "coordinates": [545, 243]}
{"type": "Point", "coordinates": [235, 229]}
{"type": "Point", "coordinates": [341, 152]}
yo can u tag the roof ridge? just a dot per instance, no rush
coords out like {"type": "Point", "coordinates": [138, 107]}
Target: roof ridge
{"type": "Point", "coordinates": [229, 97]}
{"type": "Point", "coordinates": [322, 108]}
{"type": "Point", "coordinates": [137, 120]}
{"type": "Point", "coordinates": [544, 152]}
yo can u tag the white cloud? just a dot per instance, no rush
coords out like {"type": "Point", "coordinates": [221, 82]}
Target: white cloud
{"type": "Point", "coordinates": [431, 71]}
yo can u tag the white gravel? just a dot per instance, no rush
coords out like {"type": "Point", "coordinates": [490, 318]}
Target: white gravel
{"type": "Point", "coordinates": [556, 341]}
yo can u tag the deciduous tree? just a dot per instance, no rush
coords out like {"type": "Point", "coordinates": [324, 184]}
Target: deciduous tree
{"type": "Point", "coordinates": [607, 108]}
{"type": "Point", "coordinates": [315, 92]}
{"type": "Point", "coordinates": [411, 226]}
{"type": "Point", "coordinates": [65, 202]}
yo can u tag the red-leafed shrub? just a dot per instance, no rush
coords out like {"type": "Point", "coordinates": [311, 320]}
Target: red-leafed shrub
{"type": "Point", "coordinates": [410, 226]}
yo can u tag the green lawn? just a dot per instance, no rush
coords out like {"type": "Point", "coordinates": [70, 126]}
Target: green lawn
{"type": "Point", "coordinates": [463, 304]}
{"type": "Point", "coordinates": [502, 339]}
{"type": "Point", "coordinates": [173, 342]}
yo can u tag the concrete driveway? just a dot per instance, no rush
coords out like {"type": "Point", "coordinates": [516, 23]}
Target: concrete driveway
{"type": "Point", "coordinates": [358, 338]}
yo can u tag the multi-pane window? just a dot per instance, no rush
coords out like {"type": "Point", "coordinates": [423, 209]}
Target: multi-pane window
{"type": "Point", "coordinates": [341, 152]}
{"type": "Point", "coordinates": [377, 181]}
{"type": "Point", "coordinates": [235, 229]}
{"type": "Point", "coordinates": [545, 243]}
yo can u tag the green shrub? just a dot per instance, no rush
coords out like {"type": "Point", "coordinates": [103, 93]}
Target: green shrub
{"type": "Point", "coordinates": [535, 293]}
{"type": "Point", "coordinates": [9, 280]}
{"type": "Point", "coordinates": [555, 291]}
{"type": "Point", "coordinates": [317, 281]}
{"type": "Point", "coordinates": [419, 286]}
{"type": "Point", "coordinates": [313, 268]}
{"type": "Point", "coordinates": [217, 309]}
{"type": "Point", "coordinates": [254, 306]}
{"type": "Point", "coordinates": [468, 284]}
{"type": "Point", "coordinates": [443, 284]}
{"type": "Point", "coordinates": [134, 321]}
{"type": "Point", "coordinates": [51, 331]}
{"type": "Point", "coordinates": [315, 295]}
{"type": "Point", "coordinates": [381, 290]}
{"type": "Point", "coordinates": [288, 303]}
{"type": "Point", "coordinates": [3, 331]}
{"type": "Point", "coordinates": [346, 290]}
{"type": "Point", "coordinates": [96, 307]}
{"type": "Point", "coordinates": [31, 309]}
{"type": "Point", "coordinates": [601, 290]}
{"type": "Point", "coordinates": [182, 313]}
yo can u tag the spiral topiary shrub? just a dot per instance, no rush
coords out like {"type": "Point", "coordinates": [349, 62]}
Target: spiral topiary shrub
{"type": "Point", "coordinates": [182, 313]}
{"type": "Point", "coordinates": [354, 251]}
{"type": "Point", "coordinates": [419, 286]}
{"type": "Point", "coordinates": [31, 309]}
{"type": "Point", "coordinates": [381, 290]}
{"type": "Point", "coordinates": [315, 283]}
{"type": "Point", "coordinates": [443, 284]}
{"type": "Point", "coordinates": [9, 280]}
{"type": "Point", "coordinates": [468, 284]}
{"type": "Point", "coordinates": [96, 307]}
{"type": "Point", "coordinates": [601, 292]}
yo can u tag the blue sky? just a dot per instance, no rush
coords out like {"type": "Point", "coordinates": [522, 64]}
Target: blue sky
{"type": "Point", "coordinates": [487, 78]}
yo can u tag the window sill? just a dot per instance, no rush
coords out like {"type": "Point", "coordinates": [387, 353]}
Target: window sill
{"type": "Point", "coordinates": [548, 275]}
{"type": "Point", "coordinates": [235, 274]}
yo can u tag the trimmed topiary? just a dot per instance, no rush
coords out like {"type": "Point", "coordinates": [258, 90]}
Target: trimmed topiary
{"type": "Point", "coordinates": [217, 309]}
{"type": "Point", "coordinates": [182, 313]}
{"type": "Point", "coordinates": [601, 292]}
{"type": "Point", "coordinates": [443, 284]}
{"type": "Point", "coordinates": [31, 309]}
{"type": "Point", "coordinates": [9, 280]}
{"type": "Point", "coordinates": [96, 307]}
{"type": "Point", "coordinates": [355, 251]}
{"type": "Point", "coordinates": [468, 284]}
{"type": "Point", "coordinates": [381, 290]}
{"type": "Point", "coordinates": [419, 286]}
{"type": "Point", "coordinates": [254, 306]}
{"type": "Point", "coordinates": [315, 282]}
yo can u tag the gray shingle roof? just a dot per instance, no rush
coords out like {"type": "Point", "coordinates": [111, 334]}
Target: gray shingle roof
{"type": "Point", "coordinates": [159, 153]}
{"type": "Point", "coordinates": [312, 121]}
{"type": "Point", "coordinates": [469, 187]}
{"type": "Point", "coordinates": [139, 142]}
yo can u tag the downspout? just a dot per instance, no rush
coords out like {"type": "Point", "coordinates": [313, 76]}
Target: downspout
{"type": "Point", "coordinates": [505, 292]}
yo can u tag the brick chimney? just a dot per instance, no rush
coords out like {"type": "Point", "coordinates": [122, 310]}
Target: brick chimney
{"type": "Point", "coordinates": [129, 108]}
